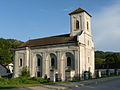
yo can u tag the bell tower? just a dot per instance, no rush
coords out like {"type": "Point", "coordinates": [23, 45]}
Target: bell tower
{"type": "Point", "coordinates": [80, 26]}
{"type": "Point", "coordinates": [79, 21]}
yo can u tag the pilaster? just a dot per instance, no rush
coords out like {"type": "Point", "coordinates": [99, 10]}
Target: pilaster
{"type": "Point", "coordinates": [47, 69]}
{"type": "Point", "coordinates": [63, 66]}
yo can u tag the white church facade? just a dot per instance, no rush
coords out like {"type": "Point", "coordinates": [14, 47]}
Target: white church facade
{"type": "Point", "coordinates": [62, 57]}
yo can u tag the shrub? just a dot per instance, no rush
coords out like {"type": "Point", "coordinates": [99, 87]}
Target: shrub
{"type": "Point", "coordinates": [45, 77]}
{"type": "Point", "coordinates": [22, 80]}
{"type": "Point", "coordinates": [40, 80]}
{"type": "Point", "coordinates": [25, 72]}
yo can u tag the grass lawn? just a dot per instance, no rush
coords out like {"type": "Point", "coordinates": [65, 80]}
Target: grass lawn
{"type": "Point", "coordinates": [18, 86]}
{"type": "Point", "coordinates": [21, 82]}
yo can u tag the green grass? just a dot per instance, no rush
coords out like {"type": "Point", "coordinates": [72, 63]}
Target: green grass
{"type": "Point", "coordinates": [21, 82]}
{"type": "Point", "coordinates": [18, 86]}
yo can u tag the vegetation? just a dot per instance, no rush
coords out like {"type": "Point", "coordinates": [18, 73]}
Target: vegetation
{"type": "Point", "coordinates": [107, 57]}
{"type": "Point", "coordinates": [6, 52]}
{"type": "Point", "coordinates": [99, 61]}
{"type": "Point", "coordinates": [34, 81]}
{"type": "Point", "coordinates": [25, 72]}
{"type": "Point", "coordinates": [112, 58]}
{"type": "Point", "coordinates": [21, 81]}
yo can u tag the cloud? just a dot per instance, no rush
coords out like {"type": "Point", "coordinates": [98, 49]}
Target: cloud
{"type": "Point", "coordinates": [106, 28]}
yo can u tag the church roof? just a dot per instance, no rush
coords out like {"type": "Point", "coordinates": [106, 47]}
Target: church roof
{"type": "Point", "coordinates": [79, 10]}
{"type": "Point", "coordinates": [53, 40]}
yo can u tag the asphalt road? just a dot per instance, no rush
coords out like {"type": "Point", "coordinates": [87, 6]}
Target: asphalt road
{"type": "Point", "coordinates": [111, 85]}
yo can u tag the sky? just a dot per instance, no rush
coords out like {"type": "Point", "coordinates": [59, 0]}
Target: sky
{"type": "Point", "coordinates": [31, 19]}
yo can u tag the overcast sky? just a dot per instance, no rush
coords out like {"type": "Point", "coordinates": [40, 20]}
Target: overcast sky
{"type": "Point", "coordinates": [24, 19]}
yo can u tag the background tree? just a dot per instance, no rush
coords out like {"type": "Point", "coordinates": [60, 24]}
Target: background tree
{"type": "Point", "coordinates": [113, 58]}
{"type": "Point", "coordinates": [6, 52]}
{"type": "Point", "coordinates": [99, 61]}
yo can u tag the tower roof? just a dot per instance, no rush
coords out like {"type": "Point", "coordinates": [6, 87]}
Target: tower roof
{"type": "Point", "coordinates": [79, 10]}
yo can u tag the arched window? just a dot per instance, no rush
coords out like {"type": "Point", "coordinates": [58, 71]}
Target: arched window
{"type": "Point", "coordinates": [52, 62]}
{"type": "Point", "coordinates": [77, 24]}
{"type": "Point", "coordinates": [38, 62]}
{"type": "Point", "coordinates": [20, 62]}
{"type": "Point", "coordinates": [68, 61]}
{"type": "Point", "coordinates": [87, 26]}
{"type": "Point", "coordinates": [39, 66]}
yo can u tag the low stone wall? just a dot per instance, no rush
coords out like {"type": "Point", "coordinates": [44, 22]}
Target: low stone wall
{"type": "Point", "coordinates": [106, 71]}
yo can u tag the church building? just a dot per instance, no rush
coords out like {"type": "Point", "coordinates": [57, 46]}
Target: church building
{"type": "Point", "coordinates": [62, 57]}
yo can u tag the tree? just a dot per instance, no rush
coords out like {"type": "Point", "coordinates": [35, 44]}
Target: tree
{"type": "Point", "coordinates": [99, 61]}
{"type": "Point", "coordinates": [113, 58]}
{"type": "Point", "coordinates": [100, 54]}
{"type": "Point", "coordinates": [6, 52]}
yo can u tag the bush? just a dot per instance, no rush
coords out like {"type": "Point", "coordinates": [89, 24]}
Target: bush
{"type": "Point", "coordinates": [40, 80]}
{"type": "Point", "coordinates": [22, 80]}
{"type": "Point", "coordinates": [45, 77]}
{"type": "Point", "coordinates": [25, 72]}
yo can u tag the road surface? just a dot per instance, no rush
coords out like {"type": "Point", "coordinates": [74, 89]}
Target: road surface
{"type": "Point", "coordinates": [111, 85]}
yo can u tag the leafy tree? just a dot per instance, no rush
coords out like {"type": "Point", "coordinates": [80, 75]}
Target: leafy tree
{"type": "Point", "coordinates": [99, 61]}
{"type": "Point", "coordinates": [100, 54]}
{"type": "Point", "coordinates": [6, 52]}
{"type": "Point", "coordinates": [113, 58]}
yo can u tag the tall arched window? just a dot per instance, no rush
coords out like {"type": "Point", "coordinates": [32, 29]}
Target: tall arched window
{"type": "Point", "coordinates": [38, 62]}
{"type": "Point", "coordinates": [52, 62]}
{"type": "Point", "coordinates": [20, 62]}
{"type": "Point", "coordinates": [77, 24]}
{"type": "Point", "coordinates": [68, 61]}
{"type": "Point", "coordinates": [39, 66]}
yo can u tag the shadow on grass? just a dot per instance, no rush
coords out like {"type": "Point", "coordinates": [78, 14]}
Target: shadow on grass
{"type": "Point", "coordinates": [7, 87]}
{"type": "Point", "coordinates": [19, 86]}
